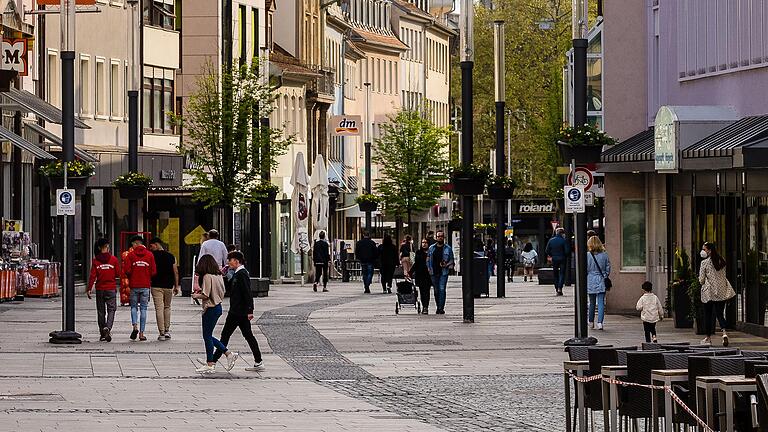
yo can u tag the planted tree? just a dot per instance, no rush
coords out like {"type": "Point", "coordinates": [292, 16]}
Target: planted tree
{"type": "Point", "coordinates": [229, 149]}
{"type": "Point", "coordinates": [413, 161]}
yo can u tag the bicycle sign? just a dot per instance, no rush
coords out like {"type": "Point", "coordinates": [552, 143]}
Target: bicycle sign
{"type": "Point", "coordinates": [581, 177]}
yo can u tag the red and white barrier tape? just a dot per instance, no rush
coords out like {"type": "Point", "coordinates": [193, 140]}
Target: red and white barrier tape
{"type": "Point", "coordinates": [667, 389]}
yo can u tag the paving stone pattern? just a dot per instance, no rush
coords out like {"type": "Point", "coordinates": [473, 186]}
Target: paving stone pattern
{"type": "Point", "coordinates": [452, 403]}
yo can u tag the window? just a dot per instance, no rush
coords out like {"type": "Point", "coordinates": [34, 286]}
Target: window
{"type": "Point", "coordinates": [52, 78]}
{"type": "Point", "coordinates": [116, 91]}
{"type": "Point", "coordinates": [128, 85]}
{"type": "Point", "coordinates": [242, 32]}
{"type": "Point", "coordinates": [633, 234]}
{"type": "Point", "coordinates": [157, 92]}
{"type": "Point", "coordinates": [100, 89]}
{"type": "Point", "coordinates": [159, 14]}
{"type": "Point", "coordinates": [85, 85]}
{"type": "Point", "coordinates": [255, 18]}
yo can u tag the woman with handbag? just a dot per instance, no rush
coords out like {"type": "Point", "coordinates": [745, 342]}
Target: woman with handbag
{"type": "Point", "coordinates": [598, 270]}
{"type": "Point", "coordinates": [715, 290]}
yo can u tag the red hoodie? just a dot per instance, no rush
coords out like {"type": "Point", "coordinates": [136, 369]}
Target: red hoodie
{"type": "Point", "coordinates": [104, 270]}
{"type": "Point", "coordinates": [139, 266]}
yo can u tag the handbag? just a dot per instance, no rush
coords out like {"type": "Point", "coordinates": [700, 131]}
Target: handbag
{"type": "Point", "coordinates": [606, 280]}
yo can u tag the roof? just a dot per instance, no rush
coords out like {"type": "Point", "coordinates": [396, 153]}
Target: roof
{"type": "Point", "coordinates": [381, 40]}
{"type": "Point", "coordinates": [700, 113]}
{"type": "Point", "coordinates": [639, 147]}
{"type": "Point", "coordinates": [745, 133]}
{"type": "Point", "coordinates": [288, 63]}
{"type": "Point", "coordinates": [55, 140]}
{"type": "Point", "coordinates": [39, 107]}
{"type": "Point", "coordinates": [412, 9]}
{"type": "Point", "coordinates": [7, 135]}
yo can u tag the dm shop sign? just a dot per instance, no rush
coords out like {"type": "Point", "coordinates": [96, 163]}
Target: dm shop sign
{"type": "Point", "coordinates": [536, 207]}
{"type": "Point", "coordinates": [665, 140]}
{"type": "Point", "coordinates": [345, 125]}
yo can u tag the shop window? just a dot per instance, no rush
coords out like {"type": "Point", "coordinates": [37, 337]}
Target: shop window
{"type": "Point", "coordinates": [633, 234]}
{"type": "Point", "coordinates": [158, 102]}
{"type": "Point", "coordinates": [160, 14]}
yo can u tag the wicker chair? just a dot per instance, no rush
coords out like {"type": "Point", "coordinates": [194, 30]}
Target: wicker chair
{"type": "Point", "coordinates": [752, 364]}
{"type": "Point", "coordinates": [748, 353]}
{"type": "Point", "coordinates": [762, 402]}
{"type": "Point", "coordinates": [671, 346]}
{"type": "Point", "coordinates": [599, 357]}
{"type": "Point", "coordinates": [707, 366]}
{"type": "Point", "coordinates": [580, 353]}
{"type": "Point", "coordinates": [635, 402]}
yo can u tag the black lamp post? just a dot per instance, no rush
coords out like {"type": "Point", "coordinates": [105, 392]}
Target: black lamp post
{"type": "Point", "coordinates": [467, 201]}
{"type": "Point", "coordinates": [498, 48]}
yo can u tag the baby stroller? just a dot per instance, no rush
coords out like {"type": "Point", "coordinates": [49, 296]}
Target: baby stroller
{"type": "Point", "coordinates": [407, 294]}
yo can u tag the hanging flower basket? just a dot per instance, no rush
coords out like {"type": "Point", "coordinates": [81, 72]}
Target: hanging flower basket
{"type": "Point", "coordinates": [368, 202]}
{"type": "Point", "coordinates": [584, 144]}
{"type": "Point", "coordinates": [469, 179]}
{"type": "Point", "coordinates": [79, 184]}
{"type": "Point", "coordinates": [265, 192]}
{"type": "Point", "coordinates": [501, 187]}
{"type": "Point", "coordinates": [132, 192]}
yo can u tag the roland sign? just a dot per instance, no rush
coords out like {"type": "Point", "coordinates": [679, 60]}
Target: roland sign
{"type": "Point", "coordinates": [533, 207]}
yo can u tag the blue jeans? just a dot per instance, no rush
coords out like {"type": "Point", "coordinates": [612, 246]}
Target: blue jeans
{"type": "Point", "coordinates": [367, 274]}
{"type": "Point", "coordinates": [600, 299]}
{"type": "Point", "coordinates": [210, 318]}
{"type": "Point", "coordinates": [439, 281]}
{"type": "Point", "coordinates": [558, 271]}
{"type": "Point", "coordinates": [139, 299]}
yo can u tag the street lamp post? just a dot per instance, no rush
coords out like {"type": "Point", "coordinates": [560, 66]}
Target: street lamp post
{"type": "Point", "coordinates": [368, 126]}
{"type": "Point", "coordinates": [467, 201]}
{"type": "Point", "coordinates": [580, 21]}
{"type": "Point", "coordinates": [133, 116]}
{"type": "Point", "coordinates": [498, 49]}
{"type": "Point", "coordinates": [68, 335]}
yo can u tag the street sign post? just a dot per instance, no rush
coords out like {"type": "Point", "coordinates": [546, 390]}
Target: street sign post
{"type": "Point", "coordinates": [574, 199]}
{"type": "Point", "coordinates": [65, 202]}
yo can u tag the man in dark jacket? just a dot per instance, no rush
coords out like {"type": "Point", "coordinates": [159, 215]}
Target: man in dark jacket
{"type": "Point", "coordinates": [165, 284]}
{"type": "Point", "coordinates": [558, 250]}
{"type": "Point", "coordinates": [240, 311]}
{"type": "Point", "coordinates": [321, 257]}
{"type": "Point", "coordinates": [366, 252]}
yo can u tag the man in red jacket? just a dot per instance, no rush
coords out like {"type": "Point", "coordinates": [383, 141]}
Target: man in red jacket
{"type": "Point", "coordinates": [104, 270]}
{"type": "Point", "coordinates": [139, 266]}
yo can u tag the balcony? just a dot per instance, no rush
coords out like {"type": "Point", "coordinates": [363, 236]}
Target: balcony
{"type": "Point", "coordinates": [322, 88]}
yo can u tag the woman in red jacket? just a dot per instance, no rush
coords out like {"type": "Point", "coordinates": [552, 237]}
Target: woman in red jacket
{"type": "Point", "coordinates": [104, 271]}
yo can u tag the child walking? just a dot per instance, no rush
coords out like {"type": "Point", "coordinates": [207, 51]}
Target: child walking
{"type": "Point", "coordinates": [651, 311]}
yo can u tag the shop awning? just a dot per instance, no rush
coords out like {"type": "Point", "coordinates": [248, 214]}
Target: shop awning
{"type": "Point", "coordinates": [635, 153]}
{"type": "Point", "coordinates": [743, 134]}
{"type": "Point", "coordinates": [7, 135]}
{"type": "Point", "coordinates": [33, 104]}
{"type": "Point", "coordinates": [55, 140]}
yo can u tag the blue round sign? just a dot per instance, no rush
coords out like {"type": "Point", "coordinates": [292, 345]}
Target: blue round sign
{"type": "Point", "coordinates": [65, 197]}
{"type": "Point", "coordinates": [574, 195]}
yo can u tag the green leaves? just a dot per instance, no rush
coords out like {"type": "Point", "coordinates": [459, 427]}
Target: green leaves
{"type": "Point", "coordinates": [76, 168]}
{"type": "Point", "coordinates": [229, 148]}
{"type": "Point", "coordinates": [471, 171]}
{"type": "Point", "coordinates": [367, 198]}
{"type": "Point", "coordinates": [413, 161]}
{"type": "Point", "coordinates": [585, 135]}
{"type": "Point", "coordinates": [132, 178]}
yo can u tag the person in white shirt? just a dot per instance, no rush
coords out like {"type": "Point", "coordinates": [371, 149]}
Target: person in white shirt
{"type": "Point", "coordinates": [651, 311]}
{"type": "Point", "coordinates": [215, 248]}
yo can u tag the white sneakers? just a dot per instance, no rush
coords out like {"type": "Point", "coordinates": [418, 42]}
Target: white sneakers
{"type": "Point", "coordinates": [205, 369]}
{"type": "Point", "coordinates": [231, 359]}
{"type": "Point", "coordinates": [258, 367]}
{"type": "Point", "coordinates": [599, 326]}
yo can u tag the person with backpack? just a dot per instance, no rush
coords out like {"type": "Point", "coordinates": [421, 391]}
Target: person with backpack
{"type": "Point", "coordinates": [104, 271]}
{"type": "Point", "coordinates": [529, 257]}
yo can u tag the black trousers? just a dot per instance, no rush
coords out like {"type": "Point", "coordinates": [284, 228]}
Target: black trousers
{"type": "Point", "coordinates": [244, 324]}
{"type": "Point", "coordinates": [387, 273]}
{"type": "Point", "coordinates": [424, 293]}
{"type": "Point", "coordinates": [321, 269]}
{"type": "Point", "coordinates": [650, 330]}
{"type": "Point", "coordinates": [712, 310]}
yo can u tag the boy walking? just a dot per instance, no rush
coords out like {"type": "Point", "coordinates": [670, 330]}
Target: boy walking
{"type": "Point", "coordinates": [165, 284]}
{"type": "Point", "coordinates": [104, 270]}
{"type": "Point", "coordinates": [139, 266]}
{"type": "Point", "coordinates": [651, 311]}
{"type": "Point", "coordinates": [240, 311]}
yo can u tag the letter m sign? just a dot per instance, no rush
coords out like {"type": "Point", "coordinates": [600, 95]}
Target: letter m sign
{"type": "Point", "coordinates": [14, 55]}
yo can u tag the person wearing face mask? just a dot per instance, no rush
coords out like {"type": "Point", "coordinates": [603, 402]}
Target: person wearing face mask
{"type": "Point", "coordinates": [715, 291]}
{"type": "Point", "coordinates": [420, 275]}
{"type": "Point", "coordinates": [440, 260]}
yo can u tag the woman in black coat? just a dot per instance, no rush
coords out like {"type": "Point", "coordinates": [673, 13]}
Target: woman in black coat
{"type": "Point", "coordinates": [389, 260]}
{"type": "Point", "coordinates": [420, 275]}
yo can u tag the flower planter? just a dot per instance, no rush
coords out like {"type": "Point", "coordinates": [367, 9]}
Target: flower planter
{"type": "Point", "coordinates": [700, 321]}
{"type": "Point", "coordinates": [682, 307]}
{"type": "Point", "coordinates": [500, 193]}
{"type": "Point", "coordinates": [455, 224]}
{"type": "Point", "coordinates": [368, 206]}
{"type": "Point", "coordinates": [581, 154]}
{"type": "Point", "coordinates": [132, 192]}
{"type": "Point", "coordinates": [468, 186]}
{"type": "Point", "coordinates": [268, 199]}
{"type": "Point", "coordinates": [79, 184]}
